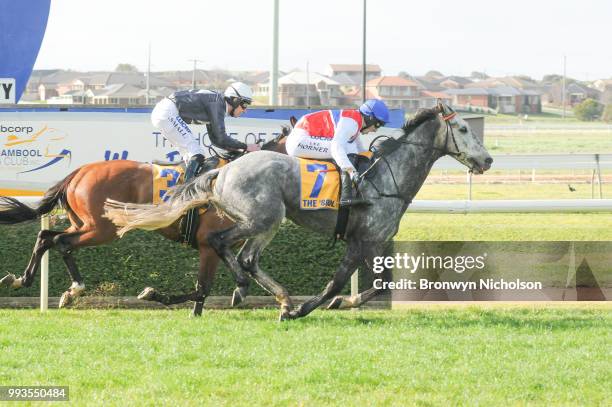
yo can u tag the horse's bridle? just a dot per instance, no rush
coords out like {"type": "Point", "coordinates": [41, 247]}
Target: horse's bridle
{"type": "Point", "coordinates": [445, 151]}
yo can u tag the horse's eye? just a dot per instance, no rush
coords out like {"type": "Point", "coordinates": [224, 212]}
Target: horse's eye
{"type": "Point", "coordinates": [463, 129]}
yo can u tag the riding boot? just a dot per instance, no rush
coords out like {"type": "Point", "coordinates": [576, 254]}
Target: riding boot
{"type": "Point", "coordinates": [188, 223]}
{"type": "Point", "coordinates": [194, 166]}
{"type": "Point", "coordinates": [346, 193]}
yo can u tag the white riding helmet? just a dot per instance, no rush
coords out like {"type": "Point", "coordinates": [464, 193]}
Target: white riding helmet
{"type": "Point", "coordinates": [241, 92]}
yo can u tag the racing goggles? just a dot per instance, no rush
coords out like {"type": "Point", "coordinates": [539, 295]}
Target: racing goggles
{"type": "Point", "coordinates": [244, 103]}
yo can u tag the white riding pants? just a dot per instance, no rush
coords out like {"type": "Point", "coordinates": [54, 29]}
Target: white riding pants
{"type": "Point", "coordinates": [165, 117]}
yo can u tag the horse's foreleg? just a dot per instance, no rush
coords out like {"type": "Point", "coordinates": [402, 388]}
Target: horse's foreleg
{"type": "Point", "coordinates": [209, 262]}
{"type": "Point", "coordinates": [350, 262]}
{"type": "Point", "coordinates": [354, 301]}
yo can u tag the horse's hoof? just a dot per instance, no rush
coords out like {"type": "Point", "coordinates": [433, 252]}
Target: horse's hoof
{"type": "Point", "coordinates": [8, 280]}
{"type": "Point", "coordinates": [147, 294]}
{"type": "Point", "coordinates": [66, 299]}
{"type": "Point", "coordinates": [336, 302]}
{"type": "Point", "coordinates": [239, 295]}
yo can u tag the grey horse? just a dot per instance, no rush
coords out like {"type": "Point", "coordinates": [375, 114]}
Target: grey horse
{"type": "Point", "coordinates": [259, 190]}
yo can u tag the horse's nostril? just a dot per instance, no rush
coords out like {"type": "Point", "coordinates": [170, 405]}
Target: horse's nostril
{"type": "Point", "coordinates": [489, 161]}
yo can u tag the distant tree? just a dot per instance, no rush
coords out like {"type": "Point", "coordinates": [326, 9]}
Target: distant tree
{"type": "Point", "coordinates": [126, 68]}
{"type": "Point", "coordinates": [552, 78]}
{"type": "Point", "coordinates": [434, 74]}
{"type": "Point", "coordinates": [479, 75]}
{"type": "Point", "coordinates": [607, 114]}
{"type": "Point", "coordinates": [525, 77]}
{"type": "Point", "coordinates": [588, 110]}
{"type": "Point", "coordinates": [404, 74]}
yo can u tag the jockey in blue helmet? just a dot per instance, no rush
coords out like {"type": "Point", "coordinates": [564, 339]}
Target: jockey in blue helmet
{"type": "Point", "coordinates": [335, 134]}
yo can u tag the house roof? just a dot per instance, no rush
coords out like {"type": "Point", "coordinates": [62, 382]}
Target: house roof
{"type": "Point", "coordinates": [436, 95]}
{"type": "Point", "coordinates": [498, 91]}
{"type": "Point", "coordinates": [59, 77]}
{"type": "Point", "coordinates": [426, 83]}
{"type": "Point", "coordinates": [344, 79]}
{"type": "Point", "coordinates": [577, 88]}
{"type": "Point", "coordinates": [391, 81]}
{"type": "Point", "coordinates": [459, 79]}
{"type": "Point", "coordinates": [300, 78]}
{"type": "Point", "coordinates": [354, 67]}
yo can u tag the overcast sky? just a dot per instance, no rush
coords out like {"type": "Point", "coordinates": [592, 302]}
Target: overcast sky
{"type": "Point", "coordinates": [500, 38]}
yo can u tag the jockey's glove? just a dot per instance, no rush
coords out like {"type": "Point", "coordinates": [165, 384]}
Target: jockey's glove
{"type": "Point", "coordinates": [355, 177]}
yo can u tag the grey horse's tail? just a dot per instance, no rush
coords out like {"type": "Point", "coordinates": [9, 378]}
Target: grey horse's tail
{"type": "Point", "coordinates": [128, 216]}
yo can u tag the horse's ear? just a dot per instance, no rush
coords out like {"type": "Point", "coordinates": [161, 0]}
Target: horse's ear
{"type": "Point", "coordinates": [440, 106]}
{"type": "Point", "coordinates": [293, 121]}
{"type": "Point", "coordinates": [285, 130]}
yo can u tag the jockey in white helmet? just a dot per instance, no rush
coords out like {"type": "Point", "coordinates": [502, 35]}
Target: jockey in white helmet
{"type": "Point", "coordinates": [173, 114]}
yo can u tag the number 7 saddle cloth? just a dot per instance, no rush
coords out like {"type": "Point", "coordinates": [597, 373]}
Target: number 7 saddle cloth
{"type": "Point", "coordinates": [320, 184]}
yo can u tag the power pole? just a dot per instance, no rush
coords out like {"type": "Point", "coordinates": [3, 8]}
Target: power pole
{"type": "Point", "coordinates": [307, 86]}
{"type": "Point", "coordinates": [148, 95]}
{"type": "Point", "coordinates": [193, 76]}
{"type": "Point", "coordinates": [273, 96]}
{"type": "Point", "coordinates": [563, 85]}
{"type": "Point", "coordinates": [363, 68]}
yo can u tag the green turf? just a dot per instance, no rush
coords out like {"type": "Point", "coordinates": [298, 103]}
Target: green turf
{"type": "Point", "coordinates": [426, 357]}
{"type": "Point", "coordinates": [525, 190]}
{"type": "Point", "coordinates": [496, 227]}
{"type": "Point", "coordinates": [541, 142]}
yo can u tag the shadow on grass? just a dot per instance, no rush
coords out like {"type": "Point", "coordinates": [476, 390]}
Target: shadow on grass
{"type": "Point", "coordinates": [550, 320]}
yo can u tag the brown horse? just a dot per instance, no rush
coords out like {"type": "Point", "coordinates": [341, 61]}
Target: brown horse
{"type": "Point", "coordinates": [82, 194]}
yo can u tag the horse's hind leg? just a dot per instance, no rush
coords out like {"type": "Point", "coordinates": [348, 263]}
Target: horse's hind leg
{"type": "Point", "coordinates": [44, 242]}
{"type": "Point", "coordinates": [66, 244]}
{"type": "Point", "coordinates": [249, 260]}
{"type": "Point", "coordinates": [222, 243]}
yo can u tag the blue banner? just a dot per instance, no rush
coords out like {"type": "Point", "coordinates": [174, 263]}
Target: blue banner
{"type": "Point", "coordinates": [22, 28]}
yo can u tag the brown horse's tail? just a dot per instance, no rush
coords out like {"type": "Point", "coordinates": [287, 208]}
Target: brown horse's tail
{"type": "Point", "coordinates": [13, 211]}
{"type": "Point", "coordinates": [195, 193]}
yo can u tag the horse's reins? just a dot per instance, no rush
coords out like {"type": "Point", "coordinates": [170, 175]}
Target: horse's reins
{"type": "Point", "coordinates": [402, 140]}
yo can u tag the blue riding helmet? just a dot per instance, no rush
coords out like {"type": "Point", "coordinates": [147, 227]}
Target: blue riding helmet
{"type": "Point", "coordinates": [375, 108]}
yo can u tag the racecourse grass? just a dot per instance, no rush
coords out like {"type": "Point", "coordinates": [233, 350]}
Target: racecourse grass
{"type": "Point", "coordinates": [506, 227]}
{"type": "Point", "coordinates": [439, 356]}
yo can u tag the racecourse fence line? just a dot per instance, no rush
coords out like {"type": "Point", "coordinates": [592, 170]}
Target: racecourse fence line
{"type": "Point", "coordinates": [417, 206]}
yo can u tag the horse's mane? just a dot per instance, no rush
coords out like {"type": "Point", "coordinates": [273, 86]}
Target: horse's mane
{"type": "Point", "coordinates": [419, 118]}
{"type": "Point", "coordinates": [422, 116]}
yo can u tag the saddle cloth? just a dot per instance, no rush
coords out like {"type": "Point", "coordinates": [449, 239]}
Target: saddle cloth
{"type": "Point", "coordinates": [167, 176]}
{"type": "Point", "coordinates": [319, 185]}
{"type": "Point", "coordinates": [164, 178]}
{"type": "Point", "coordinates": [320, 181]}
